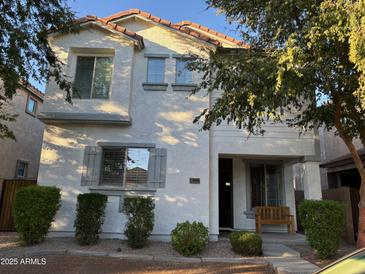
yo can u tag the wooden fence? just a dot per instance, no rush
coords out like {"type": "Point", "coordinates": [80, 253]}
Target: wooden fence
{"type": "Point", "coordinates": [8, 189]}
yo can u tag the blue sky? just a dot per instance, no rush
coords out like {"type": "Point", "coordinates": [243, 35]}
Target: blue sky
{"type": "Point", "coordinates": [172, 10]}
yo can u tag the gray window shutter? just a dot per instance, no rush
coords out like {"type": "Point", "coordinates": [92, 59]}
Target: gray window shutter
{"type": "Point", "coordinates": [91, 166]}
{"type": "Point", "coordinates": [157, 167]}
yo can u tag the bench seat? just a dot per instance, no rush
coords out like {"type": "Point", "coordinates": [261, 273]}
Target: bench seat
{"type": "Point", "coordinates": [274, 215]}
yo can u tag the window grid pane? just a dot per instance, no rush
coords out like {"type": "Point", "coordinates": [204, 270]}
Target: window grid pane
{"type": "Point", "coordinates": [84, 77]}
{"type": "Point", "coordinates": [266, 185]}
{"type": "Point", "coordinates": [183, 74]}
{"type": "Point", "coordinates": [137, 166]}
{"type": "Point", "coordinates": [156, 70]}
{"type": "Point", "coordinates": [113, 166]}
{"type": "Point", "coordinates": [102, 77]}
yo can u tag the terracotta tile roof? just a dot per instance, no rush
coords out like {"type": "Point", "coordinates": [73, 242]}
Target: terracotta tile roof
{"type": "Point", "coordinates": [111, 26]}
{"type": "Point", "coordinates": [178, 27]}
{"type": "Point", "coordinates": [32, 89]}
{"type": "Point", "coordinates": [213, 32]}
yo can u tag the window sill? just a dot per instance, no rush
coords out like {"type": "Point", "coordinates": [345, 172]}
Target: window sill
{"type": "Point", "coordinates": [119, 191]}
{"type": "Point", "coordinates": [155, 86]}
{"type": "Point", "coordinates": [184, 87]}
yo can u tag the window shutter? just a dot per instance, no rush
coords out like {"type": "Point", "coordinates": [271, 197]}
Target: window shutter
{"type": "Point", "coordinates": [157, 167]}
{"type": "Point", "coordinates": [91, 166]}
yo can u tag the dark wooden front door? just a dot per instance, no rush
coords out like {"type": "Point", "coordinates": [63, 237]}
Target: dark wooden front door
{"type": "Point", "coordinates": [225, 193]}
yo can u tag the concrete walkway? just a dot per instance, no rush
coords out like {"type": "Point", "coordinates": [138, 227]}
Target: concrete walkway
{"type": "Point", "coordinates": [275, 254]}
{"type": "Point", "coordinates": [286, 260]}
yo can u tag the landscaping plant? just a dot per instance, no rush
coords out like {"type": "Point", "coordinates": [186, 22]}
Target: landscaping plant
{"type": "Point", "coordinates": [140, 214]}
{"type": "Point", "coordinates": [34, 210]}
{"type": "Point", "coordinates": [189, 238]}
{"type": "Point", "coordinates": [90, 214]}
{"type": "Point", "coordinates": [323, 223]}
{"type": "Point", "coordinates": [246, 243]}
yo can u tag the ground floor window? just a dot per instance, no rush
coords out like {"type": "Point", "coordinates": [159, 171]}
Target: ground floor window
{"type": "Point", "coordinates": [266, 185]}
{"type": "Point", "coordinates": [125, 166]}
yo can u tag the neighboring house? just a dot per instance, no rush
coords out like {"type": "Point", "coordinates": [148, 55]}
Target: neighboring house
{"type": "Point", "coordinates": [340, 179]}
{"type": "Point", "coordinates": [20, 158]}
{"type": "Point", "coordinates": [135, 115]}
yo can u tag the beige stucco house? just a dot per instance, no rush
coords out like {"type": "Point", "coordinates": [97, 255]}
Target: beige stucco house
{"type": "Point", "coordinates": [20, 157]}
{"type": "Point", "coordinates": [129, 131]}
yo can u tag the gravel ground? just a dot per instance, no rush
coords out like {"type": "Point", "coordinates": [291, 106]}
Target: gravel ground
{"type": "Point", "coordinates": [74, 264]}
{"type": "Point", "coordinates": [9, 245]}
{"type": "Point", "coordinates": [307, 253]}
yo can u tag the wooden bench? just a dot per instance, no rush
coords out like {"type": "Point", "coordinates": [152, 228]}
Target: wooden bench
{"type": "Point", "coordinates": [274, 215]}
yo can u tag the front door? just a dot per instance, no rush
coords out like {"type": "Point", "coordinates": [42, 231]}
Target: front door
{"type": "Point", "coordinates": [225, 194]}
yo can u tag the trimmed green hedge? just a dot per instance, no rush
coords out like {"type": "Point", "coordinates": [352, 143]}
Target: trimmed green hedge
{"type": "Point", "coordinates": [140, 214]}
{"type": "Point", "coordinates": [246, 243]}
{"type": "Point", "coordinates": [34, 210]}
{"type": "Point", "coordinates": [189, 238]}
{"type": "Point", "coordinates": [89, 217]}
{"type": "Point", "coordinates": [323, 223]}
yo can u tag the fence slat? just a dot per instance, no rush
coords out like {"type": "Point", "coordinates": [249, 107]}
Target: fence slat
{"type": "Point", "coordinates": [7, 198]}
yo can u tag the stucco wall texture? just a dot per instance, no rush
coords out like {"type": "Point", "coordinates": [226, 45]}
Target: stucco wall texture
{"type": "Point", "coordinates": [28, 131]}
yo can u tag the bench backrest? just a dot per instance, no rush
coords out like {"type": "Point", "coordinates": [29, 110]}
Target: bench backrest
{"type": "Point", "coordinates": [273, 212]}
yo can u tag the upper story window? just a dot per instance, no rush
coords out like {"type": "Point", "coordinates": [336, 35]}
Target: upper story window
{"type": "Point", "coordinates": [93, 77]}
{"type": "Point", "coordinates": [156, 70]}
{"type": "Point", "coordinates": [31, 107]}
{"type": "Point", "coordinates": [183, 74]}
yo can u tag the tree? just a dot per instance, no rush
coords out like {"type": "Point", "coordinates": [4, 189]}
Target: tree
{"type": "Point", "coordinates": [304, 67]}
{"type": "Point", "coordinates": [24, 50]}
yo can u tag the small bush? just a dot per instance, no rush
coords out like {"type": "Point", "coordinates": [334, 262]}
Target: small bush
{"type": "Point", "coordinates": [246, 243]}
{"type": "Point", "coordinates": [323, 223]}
{"type": "Point", "coordinates": [139, 211]}
{"type": "Point", "coordinates": [189, 238]}
{"type": "Point", "coordinates": [34, 210]}
{"type": "Point", "coordinates": [89, 217]}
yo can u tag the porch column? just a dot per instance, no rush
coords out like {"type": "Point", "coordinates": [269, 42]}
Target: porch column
{"type": "Point", "coordinates": [213, 197]}
{"type": "Point", "coordinates": [289, 191]}
{"type": "Point", "coordinates": [312, 181]}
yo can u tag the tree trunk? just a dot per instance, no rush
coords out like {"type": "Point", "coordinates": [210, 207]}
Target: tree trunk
{"type": "Point", "coordinates": [360, 167]}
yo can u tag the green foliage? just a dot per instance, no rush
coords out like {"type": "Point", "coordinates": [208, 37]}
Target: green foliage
{"type": "Point", "coordinates": [34, 210]}
{"type": "Point", "coordinates": [189, 238]}
{"type": "Point", "coordinates": [25, 50]}
{"type": "Point", "coordinates": [246, 243]}
{"type": "Point", "coordinates": [300, 53]}
{"type": "Point", "coordinates": [89, 217]}
{"type": "Point", "coordinates": [323, 223]}
{"type": "Point", "coordinates": [140, 214]}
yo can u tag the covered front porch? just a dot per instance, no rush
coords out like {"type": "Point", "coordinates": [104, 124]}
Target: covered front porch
{"type": "Point", "coordinates": [245, 182]}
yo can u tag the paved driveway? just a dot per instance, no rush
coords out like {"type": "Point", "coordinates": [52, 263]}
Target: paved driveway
{"type": "Point", "coordinates": [82, 264]}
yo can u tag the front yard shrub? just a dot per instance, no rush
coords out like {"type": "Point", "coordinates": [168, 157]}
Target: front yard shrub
{"type": "Point", "coordinates": [140, 214]}
{"type": "Point", "coordinates": [34, 210]}
{"type": "Point", "coordinates": [189, 238]}
{"type": "Point", "coordinates": [323, 223]}
{"type": "Point", "coordinates": [90, 214]}
{"type": "Point", "coordinates": [246, 243]}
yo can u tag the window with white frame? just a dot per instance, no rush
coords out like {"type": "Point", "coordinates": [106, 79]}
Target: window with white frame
{"type": "Point", "coordinates": [93, 77]}
{"type": "Point", "coordinates": [125, 166]}
{"type": "Point", "coordinates": [31, 106]}
{"type": "Point", "coordinates": [266, 185]}
{"type": "Point", "coordinates": [183, 74]}
{"type": "Point", "coordinates": [156, 70]}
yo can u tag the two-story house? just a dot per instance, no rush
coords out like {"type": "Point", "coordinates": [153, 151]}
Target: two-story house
{"type": "Point", "coordinates": [130, 131]}
{"type": "Point", "coordinates": [20, 157]}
